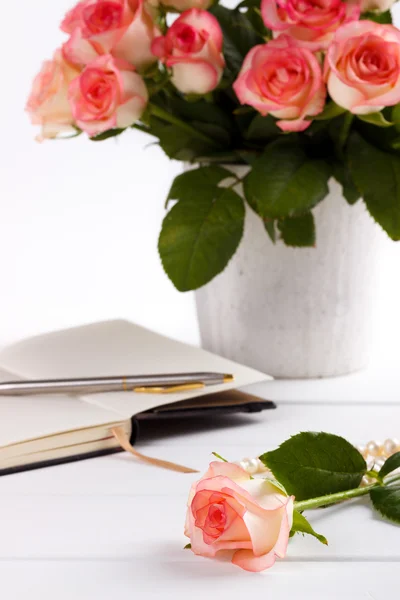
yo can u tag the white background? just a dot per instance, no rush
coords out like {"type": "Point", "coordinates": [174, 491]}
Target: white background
{"type": "Point", "coordinates": [79, 220]}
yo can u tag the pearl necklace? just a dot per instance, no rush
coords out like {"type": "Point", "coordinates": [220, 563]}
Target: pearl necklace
{"type": "Point", "coordinates": [374, 452]}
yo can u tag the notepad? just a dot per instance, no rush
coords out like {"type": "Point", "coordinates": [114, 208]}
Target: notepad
{"type": "Point", "coordinates": [44, 430]}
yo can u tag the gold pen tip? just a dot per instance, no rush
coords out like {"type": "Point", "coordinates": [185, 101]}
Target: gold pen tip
{"type": "Point", "coordinates": [228, 378]}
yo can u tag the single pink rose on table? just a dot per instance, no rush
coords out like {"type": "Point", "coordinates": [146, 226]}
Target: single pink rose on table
{"type": "Point", "coordinates": [192, 48]}
{"type": "Point", "coordinates": [48, 103]}
{"type": "Point", "coordinates": [108, 94]}
{"type": "Point", "coordinates": [362, 67]}
{"type": "Point", "coordinates": [311, 22]}
{"type": "Point", "coordinates": [284, 80]}
{"type": "Point", "coordinates": [228, 510]}
{"type": "Point", "coordinates": [124, 28]}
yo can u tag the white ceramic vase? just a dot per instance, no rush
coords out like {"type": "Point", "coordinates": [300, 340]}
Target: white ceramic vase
{"type": "Point", "coordinates": [297, 312]}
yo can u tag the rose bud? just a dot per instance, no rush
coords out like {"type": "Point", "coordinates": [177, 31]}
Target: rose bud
{"type": "Point", "coordinates": [192, 48]}
{"type": "Point", "coordinates": [251, 518]}
{"type": "Point", "coordinates": [362, 67]}
{"type": "Point", "coordinates": [48, 104]}
{"type": "Point", "coordinates": [313, 24]}
{"type": "Point", "coordinates": [107, 94]}
{"type": "Point", "coordinates": [284, 80]}
{"type": "Point", "coordinates": [123, 28]}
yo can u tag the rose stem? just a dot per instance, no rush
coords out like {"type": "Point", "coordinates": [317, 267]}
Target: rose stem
{"type": "Point", "coordinates": [166, 116]}
{"type": "Point", "coordinates": [334, 498]}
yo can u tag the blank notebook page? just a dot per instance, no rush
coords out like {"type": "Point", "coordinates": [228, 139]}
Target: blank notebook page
{"type": "Point", "coordinates": [25, 418]}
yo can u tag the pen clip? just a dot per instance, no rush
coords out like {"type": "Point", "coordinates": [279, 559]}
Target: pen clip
{"type": "Point", "coordinates": [169, 389]}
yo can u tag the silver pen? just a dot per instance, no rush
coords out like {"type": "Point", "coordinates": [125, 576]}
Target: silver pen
{"type": "Point", "coordinates": [150, 384]}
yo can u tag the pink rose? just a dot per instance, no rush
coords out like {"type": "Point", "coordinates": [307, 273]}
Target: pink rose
{"type": "Point", "coordinates": [284, 80]}
{"type": "Point", "coordinates": [123, 28]}
{"type": "Point", "coordinates": [107, 94]}
{"type": "Point", "coordinates": [48, 104]}
{"type": "Point", "coordinates": [182, 5]}
{"type": "Point", "coordinates": [192, 48]}
{"type": "Point", "coordinates": [227, 510]}
{"type": "Point", "coordinates": [362, 67]}
{"type": "Point", "coordinates": [312, 23]}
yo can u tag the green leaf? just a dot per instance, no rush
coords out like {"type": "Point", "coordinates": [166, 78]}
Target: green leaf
{"type": "Point", "coordinates": [395, 114]}
{"type": "Point", "coordinates": [247, 156]}
{"type": "Point", "coordinates": [375, 118]}
{"type": "Point", "coordinates": [216, 132]}
{"type": "Point", "coordinates": [238, 28]}
{"type": "Point", "coordinates": [314, 464]}
{"type": "Point", "coordinates": [107, 134]}
{"type": "Point", "coordinates": [269, 225]}
{"type": "Point", "coordinates": [229, 157]}
{"type": "Point", "coordinates": [262, 128]}
{"type": "Point", "coordinates": [391, 464]}
{"type": "Point", "coordinates": [233, 60]}
{"type": "Point", "coordinates": [254, 16]}
{"type": "Point", "coordinates": [284, 181]}
{"type": "Point", "coordinates": [380, 137]}
{"type": "Point", "coordinates": [377, 175]}
{"type": "Point", "coordinates": [188, 547]}
{"type": "Point", "coordinates": [384, 18]}
{"type": "Point", "coordinates": [190, 182]}
{"type": "Point", "coordinates": [395, 118]}
{"type": "Point", "coordinates": [301, 525]}
{"type": "Point", "coordinates": [177, 143]}
{"type": "Point", "coordinates": [248, 4]}
{"type": "Point", "coordinates": [251, 9]}
{"type": "Point", "coordinates": [200, 111]}
{"type": "Point", "coordinates": [298, 231]}
{"type": "Point", "coordinates": [386, 500]}
{"type": "Point", "coordinates": [200, 235]}
{"type": "Point", "coordinates": [342, 175]}
{"type": "Point", "coordinates": [239, 36]}
{"type": "Point", "coordinates": [330, 111]}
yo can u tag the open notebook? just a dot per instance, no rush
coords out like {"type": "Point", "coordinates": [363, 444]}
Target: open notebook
{"type": "Point", "coordinates": [43, 430]}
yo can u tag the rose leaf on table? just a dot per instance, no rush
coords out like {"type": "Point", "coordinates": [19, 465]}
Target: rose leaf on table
{"type": "Point", "coordinates": [313, 464]}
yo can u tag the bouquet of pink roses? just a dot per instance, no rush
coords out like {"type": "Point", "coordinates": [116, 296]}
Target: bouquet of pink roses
{"type": "Point", "coordinates": [220, 86]}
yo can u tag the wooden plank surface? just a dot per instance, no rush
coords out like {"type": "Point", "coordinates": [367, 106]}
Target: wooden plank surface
{"type": "Point", "coordinates": [171, 579]}
{"type": "Point", "coordinates": [113, 525]}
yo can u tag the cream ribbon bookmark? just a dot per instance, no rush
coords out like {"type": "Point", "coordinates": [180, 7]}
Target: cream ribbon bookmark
{"type": "Point", "coordinates": [124, 442]}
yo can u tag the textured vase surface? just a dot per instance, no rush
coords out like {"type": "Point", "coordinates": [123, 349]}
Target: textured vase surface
{"type": "Point", "coordinates": [297, 312]}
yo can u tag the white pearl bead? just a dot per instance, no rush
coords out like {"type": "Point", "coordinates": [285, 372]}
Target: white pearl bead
{"type": "Point", "coordinates": [363, 451]}
{"type": "Point", "coordinates": [251, 465]}
{"type": "Point", "coordinates": [367, 480]}
{"type": "Point", "coordinates": [390, 446]}
{"type": "Point", "coordinates": [261, 467]}
{"type": "Point", "coordinates": [374, 448]}
{"type": "Point", "coordinates": [379, 462]}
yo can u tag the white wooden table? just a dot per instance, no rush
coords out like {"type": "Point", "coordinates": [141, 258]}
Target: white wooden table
{"type": "Point", "coordinates": [112, 527]}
